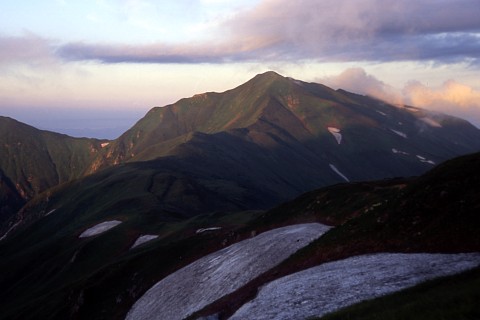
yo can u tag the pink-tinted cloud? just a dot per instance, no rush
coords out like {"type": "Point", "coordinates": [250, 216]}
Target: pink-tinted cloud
{"type": "Point", "coordinates": [28, 49]}
{"type": "Point", "coordinates": [451, 97]}
{"type": "Point", "coordinates": [327, 30]}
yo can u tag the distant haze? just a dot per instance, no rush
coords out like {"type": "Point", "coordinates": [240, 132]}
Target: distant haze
{"type": "Point", "coordinates": [102, 124]}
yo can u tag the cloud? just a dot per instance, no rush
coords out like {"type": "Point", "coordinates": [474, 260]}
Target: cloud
{"type": "Point", "coordinates": [382, 30]}
{"type": "Point", "coordinates": [327, 30]}
{"type": "Point", "coordinates": [452, 97]}
{"type": "Point", "coordinates": [160, 53]}
{"type": "Point", "coordinates": [358, 81]}
{"type": "Point", "coordinates": [28, 49]}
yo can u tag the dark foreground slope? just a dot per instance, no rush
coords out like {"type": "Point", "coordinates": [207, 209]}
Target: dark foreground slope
{"type": "Point", "coordinates": [100, 277]}
{"type": "Point", "coordinates": [437, 212]}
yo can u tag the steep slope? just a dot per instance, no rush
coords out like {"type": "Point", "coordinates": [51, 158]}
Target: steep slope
{"type": "Point", "coordinates": [220, 273]}
{"type": "Point", "coordinates": [330, 286]}
{"type": "Point", "coordinates": [33, 160]}
{"type": "Point", "coordinates": [101, 276]}
{"type": "Point", "coordinates": [274, 138]}
{"type": "Point", "coordinates": [278, 111]}
{"type": "Point", "coordinates": [266, 124]}
{"type": "Point", "coordinates": [254, 146]}
{"type": "Point", "coordinates": [437, 212]}
{"type": "Point", "coordinates": [197, 164]}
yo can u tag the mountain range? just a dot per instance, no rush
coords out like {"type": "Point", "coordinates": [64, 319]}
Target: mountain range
{"type": "Point", "coordinates": [209, 171]}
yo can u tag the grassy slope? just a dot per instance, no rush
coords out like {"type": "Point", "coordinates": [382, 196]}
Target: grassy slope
{"type": "Point", "coordinates": [106, 278]}
{"type": "Point", "coordinates": [37, 159]}
{"type": "Point", "coordinates": [32, 161]}
{"type": "Point", "coordinates": [438, 212]}
{"type": "Point", "coordinates": [154, 197]}
{"type": "Point", "coordinates": [454, 297]}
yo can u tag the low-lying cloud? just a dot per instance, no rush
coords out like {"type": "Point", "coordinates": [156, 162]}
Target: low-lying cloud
{"type": "Point", "coordinates": [357, 80]}
{"type": "Point", "coordinates": [452, 97]}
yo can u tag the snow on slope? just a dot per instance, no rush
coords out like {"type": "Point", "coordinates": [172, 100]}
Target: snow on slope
{"type": "Point", "coordinates": [425, 160]}
{"type": "Point", "coordinates": [215, 275]}
{"type": "Point", "coordinates": [99, 228]}
{"type": "Point", "coordinates": [336, 134]}
{"type": "Point", "coordinates": [431, 122]}
{"type": "Point", "coordinates": [400, 133]}
{"type": "Point", "coordinates": [143, 239]}
{"type": "Point", "coordinates": [331, 286]}
{"type": "Point", "coordinates": [338, 172]}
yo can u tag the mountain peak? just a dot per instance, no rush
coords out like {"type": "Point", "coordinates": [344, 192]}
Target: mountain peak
{"type": "Point", "coordinates": [267, 77]}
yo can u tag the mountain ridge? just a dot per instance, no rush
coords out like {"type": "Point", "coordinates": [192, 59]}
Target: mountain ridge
{"type": "Point", "coordinates": [245, 141]}
{"type": "Point", "coordinates": [215, 169]}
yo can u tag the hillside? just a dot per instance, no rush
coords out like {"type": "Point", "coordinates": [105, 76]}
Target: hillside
{"type": "Point", "coordinates": [95, 273]}
{"type": "Point", "coordinates": [252, 147]}
{"type": "Point", "coordinates": [437, 213]}
{"type": "Point", "coordinates": [195, 177]}
{"type": "Point", "coordinates": [32, 161]}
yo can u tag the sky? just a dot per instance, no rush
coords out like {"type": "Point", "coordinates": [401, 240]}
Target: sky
{"type": "Point", "coordinates": [95, 67]}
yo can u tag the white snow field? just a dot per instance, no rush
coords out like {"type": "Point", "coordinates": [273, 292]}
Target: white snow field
{"type": "Point", "coordinates": [215, 275]}
{"type": "Point", "coordinates": [143, 239]}
{"type": "Point", "coordinates": [333, 285]}
{"type": "Point", "coordinates": [336, 134]}
{"type": "Point", "coordinates": [99, 228]}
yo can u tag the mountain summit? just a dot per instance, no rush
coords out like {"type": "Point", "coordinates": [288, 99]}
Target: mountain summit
{"type": "Point", "coordinates": [261, 143]}
{"type": "Point", "coordinates": [273, 138]}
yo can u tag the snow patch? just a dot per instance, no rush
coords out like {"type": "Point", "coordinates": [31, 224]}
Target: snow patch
{"type": "Point", "coordinates": [425, 160]}
{"type": "Point", "coordinates": [193, 287]}
{"type": "Point", "coordinates": [400, 133]}
{"type": "Point", "coordinates": [336, 134]}
{"type": "Point", "coordinates": [399, 152]}
{"type": "Point", "coordinates": [207, 229]}
{"type": "Point", "coordinates": [338, 172]}
{"type": "Point", "coordinates": [143, 239]}
{"type": "Point", "coordinates": [10, 229]}
{"type": "Point", "coordinates": [99, 228]}
{"type": "Point", "coordinates": [300, 83]}
{"type": "Point", "coordinates": [331, 286]}
{"type": "Point", "coordinates": [104, 144]}
{"type": "Point", "coordinates": [431, 122]}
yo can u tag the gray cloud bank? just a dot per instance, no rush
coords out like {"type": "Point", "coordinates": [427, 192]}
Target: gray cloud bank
{"type": "Point", "coordinates": [328, 30]}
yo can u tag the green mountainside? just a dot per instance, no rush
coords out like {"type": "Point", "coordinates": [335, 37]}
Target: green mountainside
{"type": "Point", "coordinates": [224, 160]}
{"type": "Point", "coordinates": [32, 161]}
{"type": "Point", "coordinates": [252, 147]}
